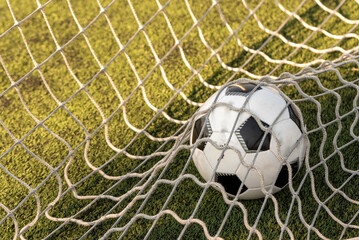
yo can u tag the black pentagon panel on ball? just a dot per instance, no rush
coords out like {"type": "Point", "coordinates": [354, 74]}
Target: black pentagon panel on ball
{"type": "Point", "coordinates": [282, 178]}
{"type": "Point", "coordinates": [230, 182]}
{"type": "Point", "coordinates": [294, 116]}
{"type": "Point", "coordinates": [250, 135]}
{"type": "Point", "coordinates": [207, 131]}
{"type": "Point", "coordinates": [242, 89]}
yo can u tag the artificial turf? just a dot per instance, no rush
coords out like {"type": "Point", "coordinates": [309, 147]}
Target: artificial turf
{"type": "Point", "coordinates": [86, 119]}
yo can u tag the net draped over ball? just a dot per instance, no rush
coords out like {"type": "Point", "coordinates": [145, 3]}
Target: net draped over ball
{"type": "Point", "coordinates": [266, 140]}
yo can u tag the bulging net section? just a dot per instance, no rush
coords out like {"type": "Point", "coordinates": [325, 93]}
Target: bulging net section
{"type": "Point", "coordinates": [98, 98]}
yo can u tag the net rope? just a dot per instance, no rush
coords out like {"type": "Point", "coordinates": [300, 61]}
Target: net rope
{"type": "Point", "coordinates": [135, 199]}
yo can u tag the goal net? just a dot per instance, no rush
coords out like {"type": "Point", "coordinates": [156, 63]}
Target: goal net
{"type": "Point", "coordinates": [98, 99]}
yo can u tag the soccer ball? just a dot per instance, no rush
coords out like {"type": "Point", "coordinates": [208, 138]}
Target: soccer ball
{"type": "Point", "coordinates": [266, 137]}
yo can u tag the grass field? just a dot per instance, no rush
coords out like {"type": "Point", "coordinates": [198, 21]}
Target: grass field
{"type": "Point", "coordinates": [79, 118]}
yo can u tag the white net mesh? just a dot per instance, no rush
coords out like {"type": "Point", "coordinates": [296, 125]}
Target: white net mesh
{"type": "Point", "coordinates": [97, 101]}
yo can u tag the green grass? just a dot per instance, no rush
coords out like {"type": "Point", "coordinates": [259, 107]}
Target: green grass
{"type": "Point", "coordinates": [64, 87]}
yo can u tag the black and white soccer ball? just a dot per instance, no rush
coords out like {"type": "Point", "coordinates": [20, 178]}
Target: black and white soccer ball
{"type": "Point", "coordinates": [267, 134]}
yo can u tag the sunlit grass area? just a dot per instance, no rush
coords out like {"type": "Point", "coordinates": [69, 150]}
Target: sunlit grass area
{"type": "Point", "coordinates": [104, 85]}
